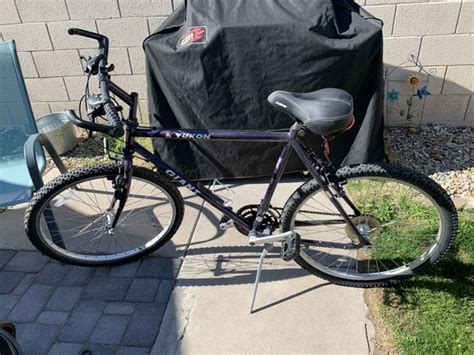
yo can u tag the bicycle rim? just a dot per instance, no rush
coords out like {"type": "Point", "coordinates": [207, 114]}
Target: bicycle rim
{"type": "Point", "coordinates": [403, 223]}
{"type": "Point", "coordinates": [76, 219]}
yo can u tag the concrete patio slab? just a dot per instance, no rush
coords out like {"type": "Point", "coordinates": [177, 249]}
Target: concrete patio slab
{"type": "Point", "coordinates": [295, 312]}
{"type": "Point", "coordinates": [12, 235]}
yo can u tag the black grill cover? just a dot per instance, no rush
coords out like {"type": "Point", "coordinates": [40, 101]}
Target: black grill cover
{"type": "Point", "coordinates": [213, 63]}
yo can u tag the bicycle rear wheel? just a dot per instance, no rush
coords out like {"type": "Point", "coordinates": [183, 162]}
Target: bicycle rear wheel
{"type": "Point", "coordinates": [409, 220]}
{"type": "Point", "coordinates": [67, 219]}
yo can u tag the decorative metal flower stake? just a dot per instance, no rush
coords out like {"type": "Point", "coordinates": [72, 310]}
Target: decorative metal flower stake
{"type": "Point", "coordinates": [406, 108]}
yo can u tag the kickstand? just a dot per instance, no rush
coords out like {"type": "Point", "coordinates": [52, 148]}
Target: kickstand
{"type": "Point", "coordinates": [267, 247]}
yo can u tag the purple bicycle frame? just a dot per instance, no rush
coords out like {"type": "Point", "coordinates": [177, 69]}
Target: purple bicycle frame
{"type": "Point", "coordinates": [290, 137]}
{"type": "Point", "coordinates": [223, 135]}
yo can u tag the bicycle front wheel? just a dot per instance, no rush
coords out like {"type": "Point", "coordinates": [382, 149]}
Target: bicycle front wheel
{"type": "Point", "coordinates": [69, 218]}
{"type": "Point", "coordinates": [408, 219]}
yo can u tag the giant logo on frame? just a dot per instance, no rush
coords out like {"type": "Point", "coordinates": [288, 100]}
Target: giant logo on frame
{"type": "Point", "coordinates": [194, 35]}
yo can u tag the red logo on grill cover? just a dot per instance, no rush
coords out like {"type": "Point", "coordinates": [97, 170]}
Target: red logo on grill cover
{"type": "Point", "coordinates": [193, 35]}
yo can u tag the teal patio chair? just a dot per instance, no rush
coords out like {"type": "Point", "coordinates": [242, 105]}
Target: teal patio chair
{"type": "Point", "coordinates": [22, 159]}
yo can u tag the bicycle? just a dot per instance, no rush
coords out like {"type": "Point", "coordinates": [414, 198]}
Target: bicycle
{"type": "Point", "coordinates": [362, 225]}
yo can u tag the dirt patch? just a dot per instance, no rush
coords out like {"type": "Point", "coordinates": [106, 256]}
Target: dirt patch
{"type": "Point", "coordinates": [384, 340]}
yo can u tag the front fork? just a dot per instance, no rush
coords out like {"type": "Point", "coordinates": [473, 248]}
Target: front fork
{"type": "Point", "coordinates": [122, 184]}
{"type": "Point", "coordinates": [123, 181]}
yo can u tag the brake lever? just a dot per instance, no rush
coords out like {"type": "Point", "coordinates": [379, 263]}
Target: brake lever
{"type": "Point", "coordinates": [92, 64]}
{"type": "Point", "coordinates": [85, 60]}
{"type": "Point", "coordinates": [97, 112]}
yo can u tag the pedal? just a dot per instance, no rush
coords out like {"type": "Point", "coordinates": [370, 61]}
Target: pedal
{"type": "Point", "coordinates": [290, 248]}
{"type": "Point", "coordinates": [225, 223]}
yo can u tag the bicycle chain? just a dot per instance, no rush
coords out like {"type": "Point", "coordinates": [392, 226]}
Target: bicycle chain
{"type": "Point", "coordinates": [309, 212]}
{"type": "Point", "coordinates": [269, 217]}
{"type": "Point", "coordinates": [280, 209]}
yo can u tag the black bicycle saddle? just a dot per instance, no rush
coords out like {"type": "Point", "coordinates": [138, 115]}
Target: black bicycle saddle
{"type": "Point", "coordinates": [326, 112]}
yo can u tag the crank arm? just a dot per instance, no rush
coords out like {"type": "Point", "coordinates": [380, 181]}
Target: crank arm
{"type": "Point", "coordinates": [254, 240]}
{"type": "Point", "coordinates": [323, 244]}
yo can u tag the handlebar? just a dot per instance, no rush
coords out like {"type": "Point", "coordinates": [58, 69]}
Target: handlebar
{"type": "Point", "coordinates": [103, 40]}
{"type": "Point", "coordinates": [112, 130]}
{"type": "Point", "coordinates": [115, 128]}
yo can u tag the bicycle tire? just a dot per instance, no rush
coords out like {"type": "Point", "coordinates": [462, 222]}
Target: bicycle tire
{"type": "Point", "coordinates": [54, 188]}
{"type": "Point", "coordinates": [444, 205]}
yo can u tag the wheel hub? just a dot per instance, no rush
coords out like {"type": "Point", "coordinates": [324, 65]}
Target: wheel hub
{"type": "Point", "coordinates": [110, 219]}
{"type": "Point", "coordinates": [367, 225]}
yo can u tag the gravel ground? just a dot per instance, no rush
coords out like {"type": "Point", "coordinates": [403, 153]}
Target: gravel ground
{"type": "Point", "coordinates": [444, 153]}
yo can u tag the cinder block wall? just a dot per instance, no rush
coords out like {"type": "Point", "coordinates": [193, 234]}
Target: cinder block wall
{"type": "Point", "coordinates": [440, 33]}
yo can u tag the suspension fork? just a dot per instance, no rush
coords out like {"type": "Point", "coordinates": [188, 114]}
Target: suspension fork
{"type": "Point", "coordinates": [122, 184]}
{"type": "Point", "coordinates": [123, 180]}
{"type": "Point", "coordinates": [310, 164]}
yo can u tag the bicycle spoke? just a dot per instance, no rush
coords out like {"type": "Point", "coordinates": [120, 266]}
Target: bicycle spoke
{"type": "Point", "coordinates": [324, 225]}
{"type": "Point", "coordinates": [325, 208]}
{"type": "Point", "coordinates": [84, 192]}
{"type": "Point", "coordinates": [106, 191]}
{"type": "Point", "coordinates": [95, 196]}
{"type": "Point", "coordinates": [82, 201]}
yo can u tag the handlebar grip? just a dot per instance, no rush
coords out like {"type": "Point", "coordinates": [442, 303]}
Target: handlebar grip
{"type": "Point", "coordinates": [114, 119]}
{"type": "Point", "coordinates": [103, 40]}
{"type": "Point", "coordinates": [84, 33]}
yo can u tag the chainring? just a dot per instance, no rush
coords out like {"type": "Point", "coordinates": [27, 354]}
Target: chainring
{"type": "Point", "coordinates": [249, 213]}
